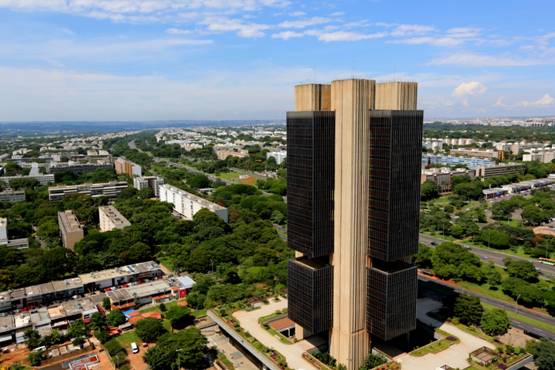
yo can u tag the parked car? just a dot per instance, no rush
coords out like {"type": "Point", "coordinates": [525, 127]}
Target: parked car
{"type": "Point", "coordinates": [134, 347]}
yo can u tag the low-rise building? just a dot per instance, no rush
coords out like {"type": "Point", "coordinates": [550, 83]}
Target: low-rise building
{"type": "Point", "coordinates": [478, 153]}
{"type": "Point", "coordinates": [71, 230]}
{"type": "Point", "coordinates": [499, 170]}
{"type": "Point", "coordinates": [126, 167]}
{"type": "Point", "coordinates": [443, 177]}
{"type": "Point", "coordinates": [223, 153]}
{"type": "Point", "coordinates": [107, 189]}
{"type": "Point", "coordinates": [110, 219]}
{"type": "Point", "coordinates": [138, 272]}
{"type": "Point", "coordinates": [12, 196]}
{"type": "Point", "coordinates": [138, 295]}
{"type": "Point", "coordinates": [41, 179]}
{"type": "Point", "coordinates": [187, 204]}
{"type": "Point", "coordinates": [78, 168]}
{"type": "Point", "coordinates": [148, 182]}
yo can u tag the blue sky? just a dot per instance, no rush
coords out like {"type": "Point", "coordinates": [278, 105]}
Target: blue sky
{"type": "Point", "coordinates": [239, 59]}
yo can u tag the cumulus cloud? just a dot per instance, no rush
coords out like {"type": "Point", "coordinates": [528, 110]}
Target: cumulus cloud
{"type": "Point", "coordinates": [349, 36]}
{"type": "Point", "coordinates": [545, 101]}
{"type": "Point", "coordinates": [303, 23]}
{"type": "Point", "coordinates": [243, 29]}
{"type": "Point", "coordinates": [286, 35]}
{"type": "Point", "coordinates": [466, 89]}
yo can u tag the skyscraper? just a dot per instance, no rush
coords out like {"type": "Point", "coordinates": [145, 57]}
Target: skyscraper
{"type": "Point", "coordinates": [353, 201]}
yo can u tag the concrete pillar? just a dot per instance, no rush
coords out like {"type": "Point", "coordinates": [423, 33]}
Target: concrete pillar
{"type": "Point", "coordinates": [312, 97]}
{"type": "Point", "coordinates": [351, 100]}
{"type": "Point", "coordinates": [396, 96]}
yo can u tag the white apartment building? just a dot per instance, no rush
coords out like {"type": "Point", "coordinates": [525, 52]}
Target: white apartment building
{"type": "Point", "coordinates": [539, 155]}
{"type": "Point", "coordinates": [279, 156]}
{"type": "Point", "coordinates": [187, 204]}
{"type": "Point", "coordinates": [152, 182]}
{"type": "Point", "coordinates": [3, 231]}
{"type": "Point", "coordinates": [111, 218]}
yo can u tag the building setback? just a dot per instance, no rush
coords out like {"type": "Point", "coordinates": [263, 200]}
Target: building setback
{"type": "Point", "coordinates": [353, 212]}
{"type": "Point", "coordinates": [148, 182]}
{"type": "Point", "coordinates": [107, 189]}
{"type": "Point", "coordinates": [70, 229]}
{"type": "Point", "coordinates": [187, 204]}
{"type": "Point", "coordinates": [110, 218]}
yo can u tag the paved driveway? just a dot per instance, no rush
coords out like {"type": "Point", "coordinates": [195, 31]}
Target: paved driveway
{"type": "Point", "coordinates": [455, 356]}
{"type": "Point", "coordinates": [292, 352]}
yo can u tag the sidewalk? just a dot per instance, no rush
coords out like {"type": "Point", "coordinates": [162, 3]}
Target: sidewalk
{"type": "Point", "coordinates": [292, 352]}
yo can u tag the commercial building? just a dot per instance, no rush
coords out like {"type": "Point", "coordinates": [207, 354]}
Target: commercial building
{"type": "Point", "coordinates": [3, 231]}
{"type": "Point", "coordinates": [187, 204]}
{"type": "Point", "coordinates": [12, 196]}
{"type": "Point", "coordinates": [148, 182]}
{"type": "Point", "coordinates": [499, 170]}
{"type": "Point", "coordinates": [42, 179]}
{"type": "Point", "coordinates": [110, 218]}
{"type": "Point", "coordinates": [138, 295]}
{"type": "Point", "coordinates": [126, 167]}
{"type": "Point", "coordinates": [62, 290]}
{"type": "Point", "coordinates": [279, 156]}
{"type": "Point", "coordinates": [107, 189]}
{"type": "Point", "coordinates": [223, 152]}
{"type": "Point", "coordinates": [353, 173]}
{"type": "Point", "coordinates": [70, 229]}
{"type": "Point", "coordinates": [478, 153]}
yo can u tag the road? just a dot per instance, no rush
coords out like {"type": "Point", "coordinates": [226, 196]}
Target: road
{"type": "Point", "coordinates": [504, 306]}
{"type": "Point", "coordinates": [494, 256]}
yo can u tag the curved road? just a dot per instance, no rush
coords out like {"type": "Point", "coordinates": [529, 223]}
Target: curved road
{"type": "Point", "coordinates": [496, 257]}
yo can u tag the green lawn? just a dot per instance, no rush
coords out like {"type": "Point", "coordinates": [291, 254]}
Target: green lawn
{"type": "Point", "coordinates": [229, 176]}
{"type": "Point", "coordinates": [126, 339]}
{"type": "Point", "coordinates": [525, 319]}
{"type": "Point", "coordinates": [435, 347]}
{"type": "Point", "coordinates": [484, 289]}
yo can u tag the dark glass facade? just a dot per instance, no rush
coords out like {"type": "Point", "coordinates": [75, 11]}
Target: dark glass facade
{"type": "Point", "coordinates": [395, 165]}
{"type": "Point", "coordinates": [309, 294]}
{"type": "Point", "coordinates": [391, 307]}
{"type": "Point", "coordinates": [310, 181]}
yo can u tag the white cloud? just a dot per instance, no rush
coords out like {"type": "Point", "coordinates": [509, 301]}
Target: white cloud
{"type": "Point", "coordinates": [482, 60]}
{"type": "Point", "coordinates": [178, 31]}
{"type": "Point", "coordinates": [469, 88]}
{"type": "Point", "coordinates": [243, 29]}
{"type": "Point", "coordinates": [430, 40]}
{"type": "Point", "coordinates": [286, 35]}
{"type": "Point", "coordinates": [303, 23]}
{"type": "Point", "coordinates": [545, 101]}
{"type": "Point", "coordinates": [349, 36]}
{"type": "Point", "coordinates": [411, 29]}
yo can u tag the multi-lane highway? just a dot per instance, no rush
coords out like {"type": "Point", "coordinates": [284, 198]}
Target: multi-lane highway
{"type": "Point", "coordinates": [504, 306]}
{"type": "Point", "coordinates": [494, 256]}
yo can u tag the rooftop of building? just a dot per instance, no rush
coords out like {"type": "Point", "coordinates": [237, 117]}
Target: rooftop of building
{"type": "Point", "coordinates": [87, 185]}
{"type": "Point", "coordinates": [69, 220]}
{"type": "Point", "coordinates": [116, 272]}
{"type": "Point", "coordinates": [139, 291]}
{"type": "Point", "coordinates": [114, 215]}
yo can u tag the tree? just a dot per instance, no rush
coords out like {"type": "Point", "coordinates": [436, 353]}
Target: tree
{"type": "Point", "coordinates": [521, 269]}
{"type": "Point", "coordinates": [149, 329]}
{"type": "Point", "coordinates": [494, 238]}
{"type": "Point", "coordinates": [184, 349]}
{"type": "Point", "coordinates": [115, 318]}
{"type": "Point", "coordinates": [495, 322]}
{"type": "Point", "coordinates": [429, 190]}
{"type": "Point", "coordinates": [523, 292]}
{"type": "Point", "coordinates": [372, 361]}
{"type": "Point", "coordinates": [32, 337]}
{"type": "Point", "coordinates": [469, 190]}
{"type": "Point", "coordinates": [180, 317]}
{"type": "Point", "coordinates": [544, 353]}
{"type": "Point", "coordinates": [102, 335]}
{"type": "Point", "coordinates": [35, 358]}
{"type": "Point", "coordinates": [106, 303]}
{"type": "Point", "coordinates": [423, 258]}
{"type": "Point", "coordinates": [98, 321]}
{"type": "Point", "coordinates": [78, 332]}
{"type": "Point", "coordinates": [468, 310]}
{"type": "Point", "coordinates": [534, 215]}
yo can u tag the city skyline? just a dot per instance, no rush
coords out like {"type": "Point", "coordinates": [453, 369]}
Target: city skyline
{"type": "Point", "coordinates": [177, 59]}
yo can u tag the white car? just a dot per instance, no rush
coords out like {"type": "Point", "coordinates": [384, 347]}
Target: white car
{"type": "Point", "coordinates": [134, 347]}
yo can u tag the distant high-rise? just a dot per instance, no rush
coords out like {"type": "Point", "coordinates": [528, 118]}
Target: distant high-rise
{"type": "Point", "coordinates": [353, 172]}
